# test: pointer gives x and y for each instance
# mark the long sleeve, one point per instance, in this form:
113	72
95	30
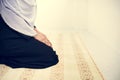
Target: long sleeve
19	16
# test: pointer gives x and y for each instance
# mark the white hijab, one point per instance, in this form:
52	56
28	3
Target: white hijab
19	15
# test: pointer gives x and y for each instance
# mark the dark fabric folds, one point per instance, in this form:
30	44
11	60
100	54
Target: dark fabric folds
21	51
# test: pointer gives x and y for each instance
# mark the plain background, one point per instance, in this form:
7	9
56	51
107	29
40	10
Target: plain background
98	21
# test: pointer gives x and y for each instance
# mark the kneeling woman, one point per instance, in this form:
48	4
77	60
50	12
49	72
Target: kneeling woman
21	44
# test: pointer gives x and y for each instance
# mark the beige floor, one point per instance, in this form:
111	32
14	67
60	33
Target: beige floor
75	62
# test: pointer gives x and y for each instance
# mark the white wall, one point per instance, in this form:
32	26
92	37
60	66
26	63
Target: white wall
104	21
103	36
98	22
61	15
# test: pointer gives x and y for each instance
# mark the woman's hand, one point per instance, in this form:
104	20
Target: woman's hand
41	37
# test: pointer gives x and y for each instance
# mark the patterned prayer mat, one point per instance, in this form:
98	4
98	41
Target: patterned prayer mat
75	63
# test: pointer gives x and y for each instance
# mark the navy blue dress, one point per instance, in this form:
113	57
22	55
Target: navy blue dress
21	51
